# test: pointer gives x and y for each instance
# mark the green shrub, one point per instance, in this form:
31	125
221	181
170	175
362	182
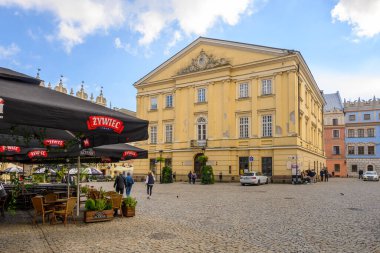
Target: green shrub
167	175
90	205
207	175
100	204
129	202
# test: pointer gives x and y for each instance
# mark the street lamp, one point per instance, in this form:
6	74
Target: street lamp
160	165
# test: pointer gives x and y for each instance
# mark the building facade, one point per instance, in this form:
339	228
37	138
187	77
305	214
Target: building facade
334	135
362	135
246	107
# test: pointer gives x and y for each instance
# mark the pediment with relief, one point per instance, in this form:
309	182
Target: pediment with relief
202	62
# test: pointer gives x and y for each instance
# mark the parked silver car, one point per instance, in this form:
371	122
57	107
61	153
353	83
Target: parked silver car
370	176
253	177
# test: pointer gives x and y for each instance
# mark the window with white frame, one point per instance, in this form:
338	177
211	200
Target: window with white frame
153	134
367	116
351	150
153	103
361	133
336	150
351	118
201	95
371	132
371	150
169	133
360	150
243	127
336	133
243	90
351	133
267	125
201	128
266	87
169	101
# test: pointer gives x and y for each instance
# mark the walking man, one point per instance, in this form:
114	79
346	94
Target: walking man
128	184
360	174
190	175
321	173
119	183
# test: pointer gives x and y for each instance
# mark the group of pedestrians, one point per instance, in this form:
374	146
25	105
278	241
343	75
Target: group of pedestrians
121	182
324	174
127	182
192	176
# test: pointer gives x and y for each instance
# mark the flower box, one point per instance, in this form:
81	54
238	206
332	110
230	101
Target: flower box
128	211
95	216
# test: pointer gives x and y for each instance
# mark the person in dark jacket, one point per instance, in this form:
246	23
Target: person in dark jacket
119	183
321	174
149	181
190	175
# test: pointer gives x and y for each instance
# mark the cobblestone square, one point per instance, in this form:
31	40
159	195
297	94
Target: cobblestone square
342	215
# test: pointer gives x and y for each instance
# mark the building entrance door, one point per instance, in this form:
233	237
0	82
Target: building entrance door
197	165
266	165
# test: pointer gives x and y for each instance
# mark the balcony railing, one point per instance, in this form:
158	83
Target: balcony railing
198	143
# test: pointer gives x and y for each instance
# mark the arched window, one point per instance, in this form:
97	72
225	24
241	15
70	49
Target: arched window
370	168
201	128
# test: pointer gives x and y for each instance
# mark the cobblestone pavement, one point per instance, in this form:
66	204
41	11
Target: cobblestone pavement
342	215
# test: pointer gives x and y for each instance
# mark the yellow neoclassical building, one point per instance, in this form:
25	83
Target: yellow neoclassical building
247	107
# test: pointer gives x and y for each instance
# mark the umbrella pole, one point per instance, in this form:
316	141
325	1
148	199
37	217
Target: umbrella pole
68	182
78	188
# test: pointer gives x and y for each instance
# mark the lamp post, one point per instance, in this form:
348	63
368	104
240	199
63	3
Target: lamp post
160	165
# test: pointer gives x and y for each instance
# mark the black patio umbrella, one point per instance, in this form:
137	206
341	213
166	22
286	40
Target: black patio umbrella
24	102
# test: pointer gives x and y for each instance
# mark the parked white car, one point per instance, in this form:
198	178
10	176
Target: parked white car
253	177
370	176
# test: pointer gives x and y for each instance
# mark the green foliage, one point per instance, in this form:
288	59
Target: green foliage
202	159
90	205
160	159
84	189
167	175
15	192
207	175
129	202
100	204
38	178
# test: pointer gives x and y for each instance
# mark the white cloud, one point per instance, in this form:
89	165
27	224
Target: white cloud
350	85
7	52
363	16
177	36
125	46
76	19
192	17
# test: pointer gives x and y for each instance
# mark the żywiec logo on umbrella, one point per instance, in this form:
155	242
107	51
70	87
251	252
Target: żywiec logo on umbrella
105	122
37	153
54	143
1	107
87	152
129	154
15	149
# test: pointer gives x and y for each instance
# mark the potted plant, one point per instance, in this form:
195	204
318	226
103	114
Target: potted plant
98	210
128	206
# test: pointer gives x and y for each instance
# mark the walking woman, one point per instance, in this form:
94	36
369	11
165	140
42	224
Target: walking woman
149	181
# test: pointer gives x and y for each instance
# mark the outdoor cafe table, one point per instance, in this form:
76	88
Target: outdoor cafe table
61	194
56	205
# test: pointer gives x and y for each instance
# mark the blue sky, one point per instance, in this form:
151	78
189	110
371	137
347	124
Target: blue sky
114	43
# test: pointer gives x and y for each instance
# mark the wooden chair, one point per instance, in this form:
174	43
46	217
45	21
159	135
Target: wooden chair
39	209
68	211
117	200
110	193
50	197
